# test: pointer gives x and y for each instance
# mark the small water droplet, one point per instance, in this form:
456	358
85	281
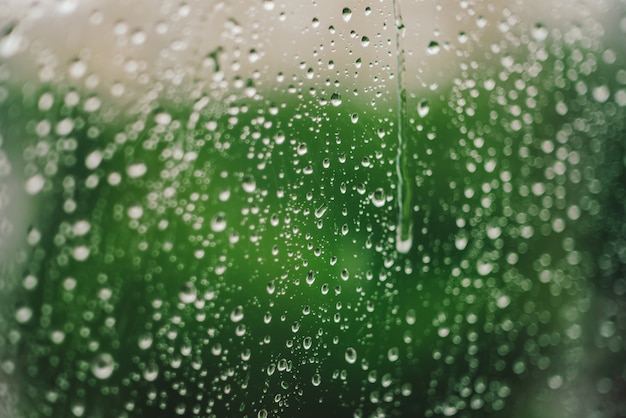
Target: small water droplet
335	99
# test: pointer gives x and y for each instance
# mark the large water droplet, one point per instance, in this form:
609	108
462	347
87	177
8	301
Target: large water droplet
102	366
346	14
351	355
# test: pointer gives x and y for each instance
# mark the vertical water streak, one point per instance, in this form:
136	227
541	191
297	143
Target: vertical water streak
404	229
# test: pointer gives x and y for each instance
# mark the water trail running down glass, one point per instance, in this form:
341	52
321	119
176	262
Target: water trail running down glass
404	229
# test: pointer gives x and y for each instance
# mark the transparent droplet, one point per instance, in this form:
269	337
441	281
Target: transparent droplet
236	314
365	41
218	223
423	108
378	197
188	293
249	184
151	372
351	355
335	99
136	170
601	93
23	314
539	32
321	210
393	354
34	184
433	48
102	366
80	253
307	343
145	341
316	379
346	14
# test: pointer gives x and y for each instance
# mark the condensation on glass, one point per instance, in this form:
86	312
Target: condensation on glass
301	208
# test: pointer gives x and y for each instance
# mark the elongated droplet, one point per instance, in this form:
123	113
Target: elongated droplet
404	229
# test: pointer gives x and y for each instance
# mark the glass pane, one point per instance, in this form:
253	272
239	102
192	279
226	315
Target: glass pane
294	208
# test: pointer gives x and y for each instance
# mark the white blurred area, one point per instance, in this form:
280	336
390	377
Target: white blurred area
101	44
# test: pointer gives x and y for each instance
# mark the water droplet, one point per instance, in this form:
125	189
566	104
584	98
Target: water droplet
378	197
423	108
163	118
80	253
307	343
188	293
539	32
335	99
346	14
393	354
601	93
365	41
102	366
268	5
484	267
310	277
34	184
433	48
351	355
136	170
249	184
321	210
316	379
237	314
23	314
151	372
218	223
